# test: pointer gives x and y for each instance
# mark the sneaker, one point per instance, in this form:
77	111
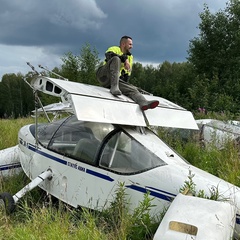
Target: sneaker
150	105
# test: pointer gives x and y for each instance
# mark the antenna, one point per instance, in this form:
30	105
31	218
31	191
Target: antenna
33	68
45	68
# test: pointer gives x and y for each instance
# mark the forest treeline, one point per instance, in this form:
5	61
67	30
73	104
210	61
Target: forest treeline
210	77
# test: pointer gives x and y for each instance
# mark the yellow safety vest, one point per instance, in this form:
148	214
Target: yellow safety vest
117	50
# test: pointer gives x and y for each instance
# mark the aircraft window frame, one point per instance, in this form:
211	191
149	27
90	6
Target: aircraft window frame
46	131
174	153
50	87
68	135
79	140
129	156
123	159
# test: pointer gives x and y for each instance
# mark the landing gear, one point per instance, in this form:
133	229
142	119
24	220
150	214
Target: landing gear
7	202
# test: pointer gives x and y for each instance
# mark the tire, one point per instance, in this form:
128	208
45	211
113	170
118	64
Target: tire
8	201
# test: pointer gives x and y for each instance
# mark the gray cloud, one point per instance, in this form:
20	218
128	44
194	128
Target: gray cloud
47	22
161	30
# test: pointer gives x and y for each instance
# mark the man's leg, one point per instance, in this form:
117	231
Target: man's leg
133	93
143	103
114	68
102	76
108	75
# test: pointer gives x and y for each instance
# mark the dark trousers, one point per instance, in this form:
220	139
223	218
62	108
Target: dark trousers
110	72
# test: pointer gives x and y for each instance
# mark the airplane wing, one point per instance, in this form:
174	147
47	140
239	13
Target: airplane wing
56	107
97	104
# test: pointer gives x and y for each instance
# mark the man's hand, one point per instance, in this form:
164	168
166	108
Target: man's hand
127	65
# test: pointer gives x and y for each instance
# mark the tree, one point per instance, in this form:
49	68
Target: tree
215	52
14	96
206	51
143	77
81	68
70	67
88	63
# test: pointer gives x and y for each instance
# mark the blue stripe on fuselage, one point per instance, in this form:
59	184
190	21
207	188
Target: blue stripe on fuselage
100	175
9	166
47	155
88	171
159	190
152	193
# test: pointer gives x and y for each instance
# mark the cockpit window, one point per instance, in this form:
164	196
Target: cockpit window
74	138
46	131
111	147
124	154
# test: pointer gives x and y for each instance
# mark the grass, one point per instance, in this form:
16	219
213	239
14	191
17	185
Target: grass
48	223
9	131
39	218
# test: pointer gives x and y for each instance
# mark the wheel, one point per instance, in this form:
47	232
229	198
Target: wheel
7	202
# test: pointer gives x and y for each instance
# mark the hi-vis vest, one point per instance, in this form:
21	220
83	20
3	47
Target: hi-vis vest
117	50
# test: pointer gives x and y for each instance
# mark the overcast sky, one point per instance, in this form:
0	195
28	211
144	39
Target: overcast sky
42	31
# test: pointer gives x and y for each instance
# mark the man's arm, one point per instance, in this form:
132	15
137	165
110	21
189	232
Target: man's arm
109	55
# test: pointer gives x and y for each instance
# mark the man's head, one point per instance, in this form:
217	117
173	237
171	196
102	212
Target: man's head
126	44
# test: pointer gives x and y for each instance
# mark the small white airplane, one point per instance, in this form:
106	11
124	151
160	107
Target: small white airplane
211	133
81	159
216	133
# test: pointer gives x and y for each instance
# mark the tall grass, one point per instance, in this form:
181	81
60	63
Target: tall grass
9	130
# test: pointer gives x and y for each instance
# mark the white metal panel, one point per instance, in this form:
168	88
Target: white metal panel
56	107
40	83
103	110
166	117
168	114
10	161
213	220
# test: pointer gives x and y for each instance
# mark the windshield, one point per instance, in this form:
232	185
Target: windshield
124	154
46	131
101	144
76	139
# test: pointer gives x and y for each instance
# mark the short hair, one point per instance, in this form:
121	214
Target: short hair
123	38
